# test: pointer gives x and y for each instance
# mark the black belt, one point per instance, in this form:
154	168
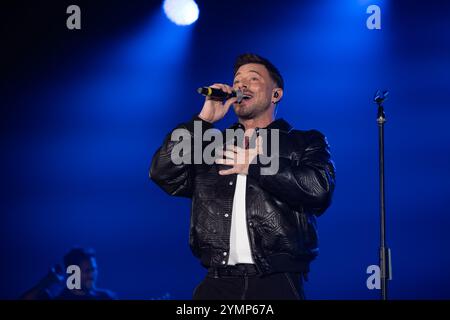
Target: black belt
237	270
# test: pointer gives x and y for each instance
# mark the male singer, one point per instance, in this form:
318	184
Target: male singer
254	231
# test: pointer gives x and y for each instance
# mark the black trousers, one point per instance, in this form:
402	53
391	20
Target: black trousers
276	286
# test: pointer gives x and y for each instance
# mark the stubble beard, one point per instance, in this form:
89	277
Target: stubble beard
249	112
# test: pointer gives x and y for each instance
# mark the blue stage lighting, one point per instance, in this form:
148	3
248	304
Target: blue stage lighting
181	12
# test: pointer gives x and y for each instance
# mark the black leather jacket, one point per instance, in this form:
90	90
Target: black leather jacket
281	209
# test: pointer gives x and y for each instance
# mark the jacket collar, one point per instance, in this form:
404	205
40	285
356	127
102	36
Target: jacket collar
279	124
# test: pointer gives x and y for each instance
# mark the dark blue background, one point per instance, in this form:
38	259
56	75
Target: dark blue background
82	113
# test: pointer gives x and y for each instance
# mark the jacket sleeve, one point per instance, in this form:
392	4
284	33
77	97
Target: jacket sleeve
305	180
176	179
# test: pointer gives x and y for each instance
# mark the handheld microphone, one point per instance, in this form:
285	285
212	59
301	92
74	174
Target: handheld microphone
219	94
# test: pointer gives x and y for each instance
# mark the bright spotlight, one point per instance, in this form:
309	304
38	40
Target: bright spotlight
181	12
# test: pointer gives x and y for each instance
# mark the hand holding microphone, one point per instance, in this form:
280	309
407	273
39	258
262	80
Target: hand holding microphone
219	94
214	107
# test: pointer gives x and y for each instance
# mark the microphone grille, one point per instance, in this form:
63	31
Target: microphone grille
239	95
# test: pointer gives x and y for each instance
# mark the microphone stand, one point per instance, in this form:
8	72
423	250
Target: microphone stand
385	253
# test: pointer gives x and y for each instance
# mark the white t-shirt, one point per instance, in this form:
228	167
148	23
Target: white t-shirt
240	251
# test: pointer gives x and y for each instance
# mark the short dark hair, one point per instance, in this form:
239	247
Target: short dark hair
77	255
247	58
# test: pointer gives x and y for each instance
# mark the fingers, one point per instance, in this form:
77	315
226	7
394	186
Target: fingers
230	147
230	157
227	162
235	149
227	89
227	172
233	158
229	102
223	87
227	154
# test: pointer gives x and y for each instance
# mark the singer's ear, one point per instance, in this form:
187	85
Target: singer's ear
277	95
